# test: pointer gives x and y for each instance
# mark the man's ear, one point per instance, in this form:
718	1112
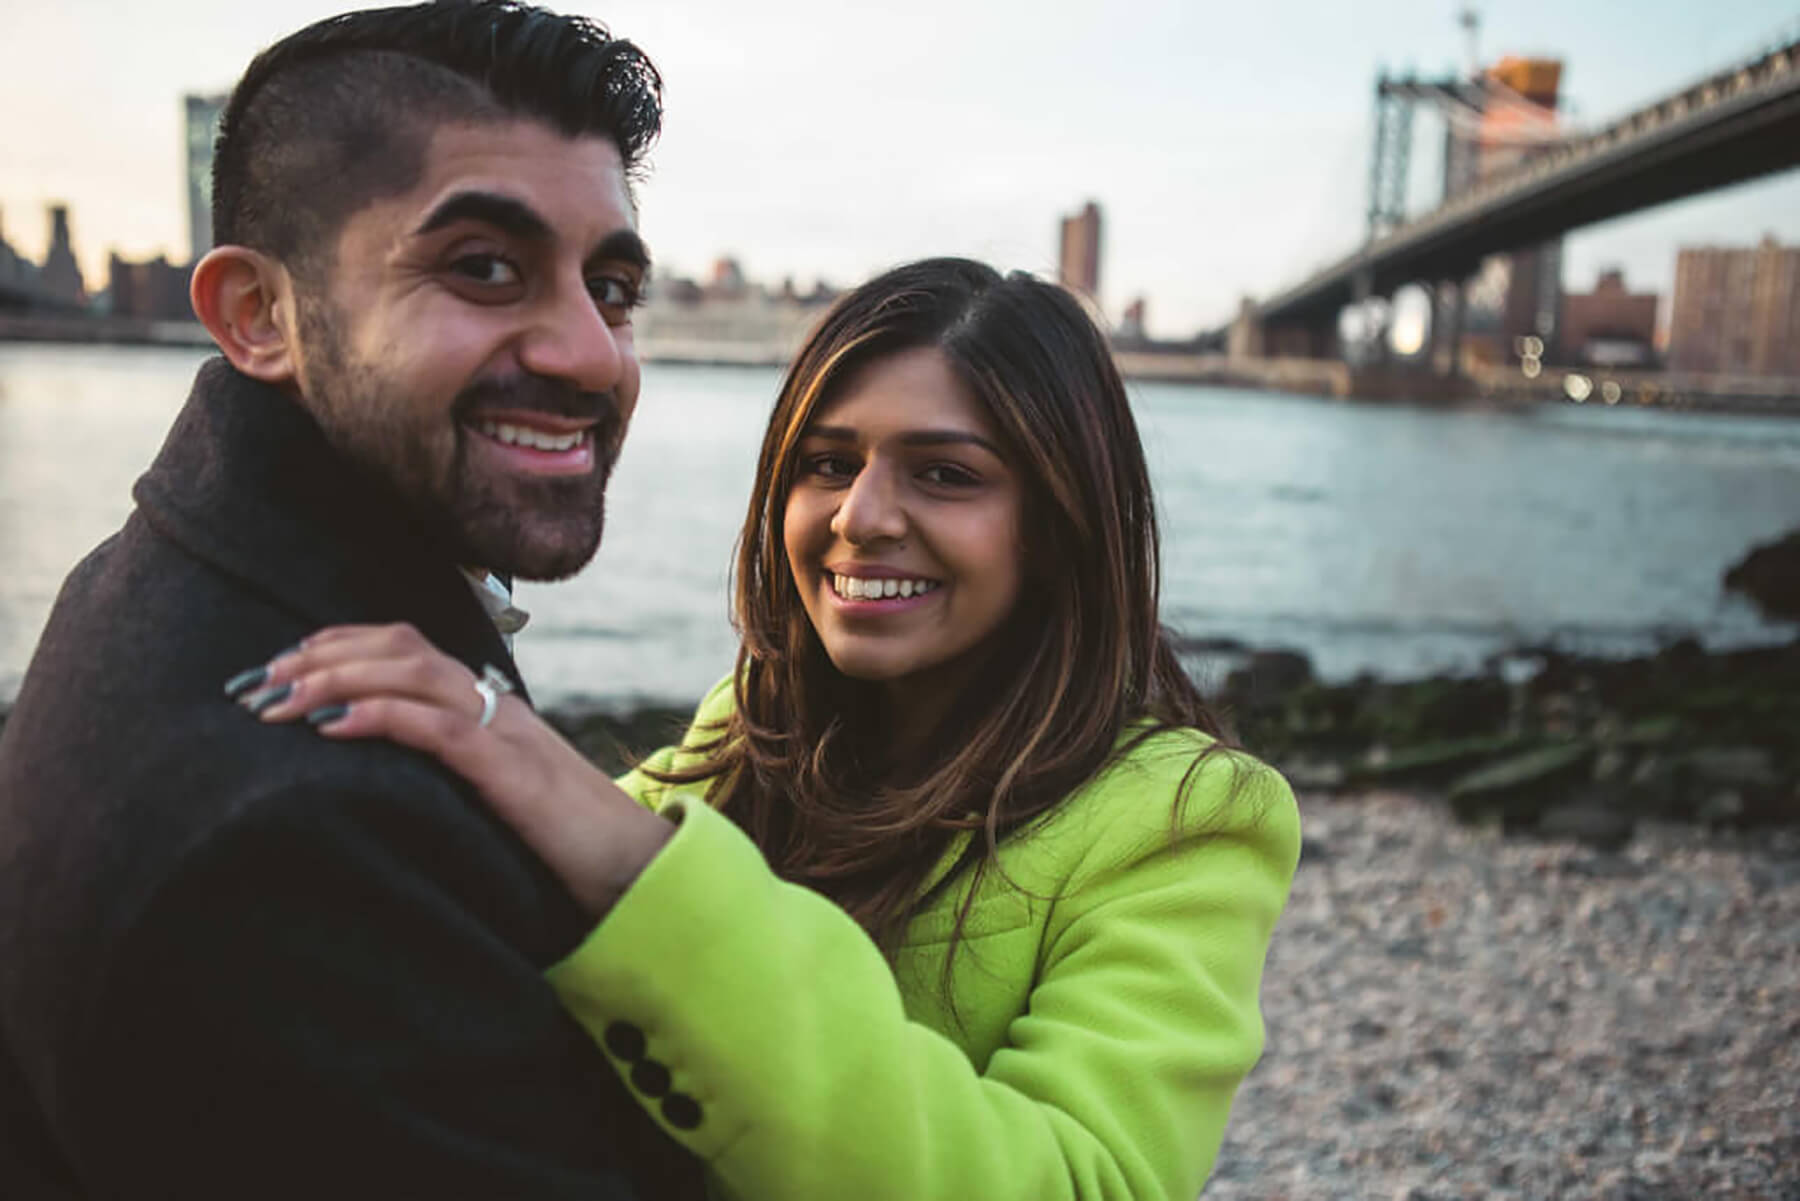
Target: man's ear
246	302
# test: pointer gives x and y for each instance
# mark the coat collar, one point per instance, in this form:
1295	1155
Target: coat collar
247	483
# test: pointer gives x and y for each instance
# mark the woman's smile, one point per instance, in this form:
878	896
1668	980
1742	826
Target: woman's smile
878	589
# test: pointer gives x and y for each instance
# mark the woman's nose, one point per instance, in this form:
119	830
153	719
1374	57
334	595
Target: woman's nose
871	508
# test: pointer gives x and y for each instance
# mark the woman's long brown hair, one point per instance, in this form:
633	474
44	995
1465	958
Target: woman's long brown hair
800	764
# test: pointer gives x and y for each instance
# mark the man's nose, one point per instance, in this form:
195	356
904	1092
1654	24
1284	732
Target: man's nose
872	508
569	339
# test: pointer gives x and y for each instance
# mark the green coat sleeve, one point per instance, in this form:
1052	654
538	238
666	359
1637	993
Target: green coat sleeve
762	1027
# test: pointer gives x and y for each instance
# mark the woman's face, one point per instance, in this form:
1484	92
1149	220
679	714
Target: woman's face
902	526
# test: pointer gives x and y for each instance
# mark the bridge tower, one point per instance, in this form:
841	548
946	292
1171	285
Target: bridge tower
1517	295
1493	119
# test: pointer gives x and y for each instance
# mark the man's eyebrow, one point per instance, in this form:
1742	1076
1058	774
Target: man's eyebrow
622	246
843	433
509	216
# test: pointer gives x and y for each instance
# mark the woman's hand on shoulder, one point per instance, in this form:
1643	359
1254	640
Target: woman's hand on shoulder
390	682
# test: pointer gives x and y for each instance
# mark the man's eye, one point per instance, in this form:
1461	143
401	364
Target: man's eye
615	292
488	269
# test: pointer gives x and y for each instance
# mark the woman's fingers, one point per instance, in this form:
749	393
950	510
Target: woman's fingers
297	689
347	644
340	664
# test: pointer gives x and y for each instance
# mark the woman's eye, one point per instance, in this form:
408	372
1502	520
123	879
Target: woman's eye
489	270
830	467
949	475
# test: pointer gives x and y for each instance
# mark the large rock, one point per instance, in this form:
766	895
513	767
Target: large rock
1518	789
1770	576
1268	677
1735	785
1433	764
1599	826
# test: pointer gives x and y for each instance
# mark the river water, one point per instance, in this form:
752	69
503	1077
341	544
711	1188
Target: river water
1391	540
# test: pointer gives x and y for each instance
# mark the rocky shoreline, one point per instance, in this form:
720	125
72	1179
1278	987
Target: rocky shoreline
1543	743
1548	743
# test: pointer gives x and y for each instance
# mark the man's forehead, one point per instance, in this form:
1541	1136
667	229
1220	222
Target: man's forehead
576	185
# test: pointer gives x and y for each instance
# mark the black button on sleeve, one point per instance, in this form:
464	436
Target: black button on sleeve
681	1111
650	1078
625	1040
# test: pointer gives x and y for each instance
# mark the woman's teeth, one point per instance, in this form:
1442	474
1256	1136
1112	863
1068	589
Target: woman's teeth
857	588
521	435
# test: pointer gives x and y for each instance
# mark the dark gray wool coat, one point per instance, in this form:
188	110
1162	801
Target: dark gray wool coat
242	961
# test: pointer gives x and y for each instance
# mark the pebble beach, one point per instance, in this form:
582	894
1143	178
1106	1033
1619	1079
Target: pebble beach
1456	1014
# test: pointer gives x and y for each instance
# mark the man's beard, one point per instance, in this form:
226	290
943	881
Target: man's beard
532	527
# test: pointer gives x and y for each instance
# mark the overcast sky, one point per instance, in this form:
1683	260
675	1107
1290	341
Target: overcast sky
1228	145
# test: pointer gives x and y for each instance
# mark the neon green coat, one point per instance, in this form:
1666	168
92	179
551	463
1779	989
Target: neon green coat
1107	998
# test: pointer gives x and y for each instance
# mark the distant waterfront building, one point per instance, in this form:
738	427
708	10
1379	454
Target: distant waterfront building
1078	261
154	290
202	127
1736	311
59	279
1131	326
18	276
727	282
728	319
1610	326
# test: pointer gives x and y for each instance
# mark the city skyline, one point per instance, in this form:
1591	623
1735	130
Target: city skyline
1228	150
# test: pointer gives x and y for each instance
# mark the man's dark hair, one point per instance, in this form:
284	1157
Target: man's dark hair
339	114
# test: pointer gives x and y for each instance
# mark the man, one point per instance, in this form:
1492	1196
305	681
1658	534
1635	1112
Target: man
242	961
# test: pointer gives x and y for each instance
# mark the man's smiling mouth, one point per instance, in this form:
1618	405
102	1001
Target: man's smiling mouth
537	439
531	446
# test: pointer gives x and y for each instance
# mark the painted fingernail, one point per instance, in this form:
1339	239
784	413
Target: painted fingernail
256	702
244	681
327	714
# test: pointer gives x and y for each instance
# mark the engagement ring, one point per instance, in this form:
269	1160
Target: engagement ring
490	685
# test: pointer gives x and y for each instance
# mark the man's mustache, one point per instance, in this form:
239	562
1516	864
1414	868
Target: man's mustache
529	393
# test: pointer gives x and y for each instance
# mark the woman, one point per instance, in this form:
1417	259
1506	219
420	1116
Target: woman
951	889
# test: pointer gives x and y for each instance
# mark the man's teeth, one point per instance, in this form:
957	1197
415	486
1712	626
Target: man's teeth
857	588
521	435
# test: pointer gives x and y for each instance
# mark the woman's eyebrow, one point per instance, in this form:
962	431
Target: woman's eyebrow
843	433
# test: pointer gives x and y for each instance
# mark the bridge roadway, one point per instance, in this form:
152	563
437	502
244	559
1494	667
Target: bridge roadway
1737	124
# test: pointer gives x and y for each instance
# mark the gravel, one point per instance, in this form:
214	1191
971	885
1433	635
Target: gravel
1452	1014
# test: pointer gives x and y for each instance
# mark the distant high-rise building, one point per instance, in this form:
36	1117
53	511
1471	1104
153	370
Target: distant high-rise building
1078	264
202	127
1736	311
60	277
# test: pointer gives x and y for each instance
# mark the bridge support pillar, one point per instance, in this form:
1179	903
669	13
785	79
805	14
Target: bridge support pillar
1244	339
1374	318
1448	309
